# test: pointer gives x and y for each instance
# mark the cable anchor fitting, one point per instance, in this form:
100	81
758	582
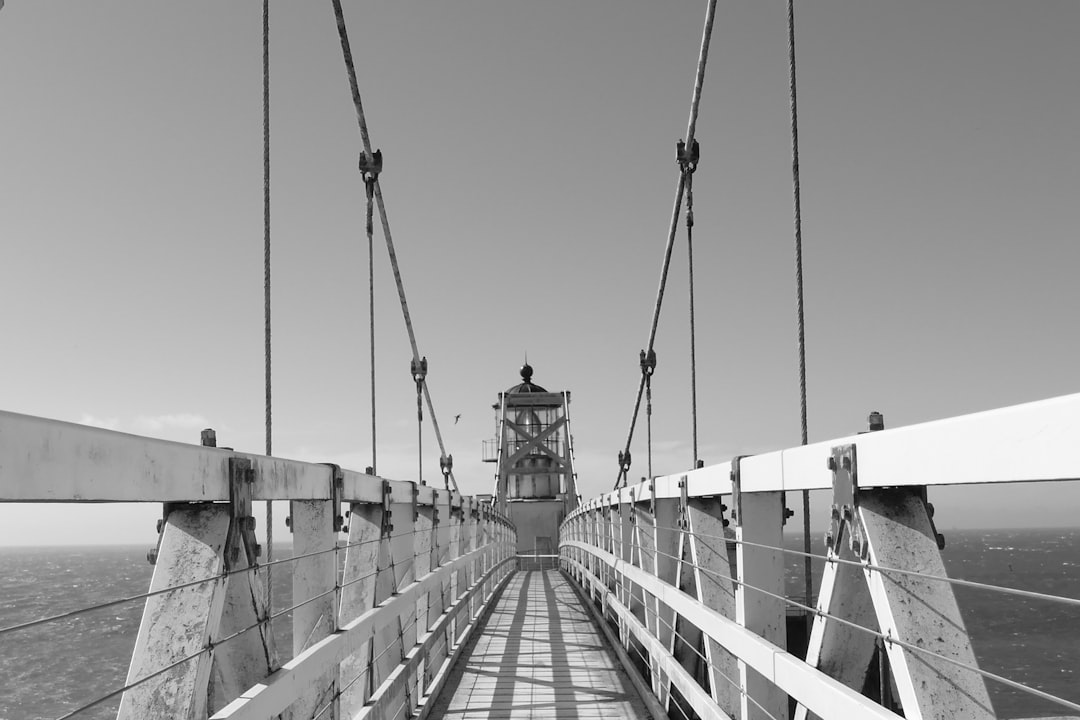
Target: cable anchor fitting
370	169
648	362
688	157
446	464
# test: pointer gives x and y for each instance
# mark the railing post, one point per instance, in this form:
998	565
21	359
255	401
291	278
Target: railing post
899	534
705	574
423	543
359	594
665	567
760	520
178	624
315	525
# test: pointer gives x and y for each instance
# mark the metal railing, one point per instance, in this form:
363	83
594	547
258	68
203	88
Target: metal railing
702	606
376	620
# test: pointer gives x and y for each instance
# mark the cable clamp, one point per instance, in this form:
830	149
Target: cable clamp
337	494
688	157
371	168
843	463
648	362
242	526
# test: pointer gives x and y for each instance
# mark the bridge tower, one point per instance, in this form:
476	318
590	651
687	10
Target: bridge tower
535	483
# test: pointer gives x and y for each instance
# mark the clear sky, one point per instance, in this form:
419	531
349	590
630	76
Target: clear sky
529	180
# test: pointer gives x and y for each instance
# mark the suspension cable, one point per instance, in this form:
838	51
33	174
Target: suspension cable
369	188
797	194
695	103
266	280
365	138
693	332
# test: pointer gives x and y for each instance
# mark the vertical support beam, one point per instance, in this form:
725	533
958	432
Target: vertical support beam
248	658
918	611
438	599
358	595
711	571
839	650
313	590
397	637
626	554
179	624
666	568
422	543
760	520
468	543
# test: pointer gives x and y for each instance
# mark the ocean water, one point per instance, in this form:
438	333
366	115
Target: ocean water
50	670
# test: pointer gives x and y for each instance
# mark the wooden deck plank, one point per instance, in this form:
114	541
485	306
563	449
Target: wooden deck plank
538	655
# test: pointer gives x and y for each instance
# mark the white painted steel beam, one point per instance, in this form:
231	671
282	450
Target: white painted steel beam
44	460
1023	443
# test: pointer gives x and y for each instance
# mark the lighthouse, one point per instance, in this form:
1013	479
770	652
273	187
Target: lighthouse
535	483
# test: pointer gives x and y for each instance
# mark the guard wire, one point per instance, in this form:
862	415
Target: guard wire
1030	594
181	586
708	664
888	638
131	685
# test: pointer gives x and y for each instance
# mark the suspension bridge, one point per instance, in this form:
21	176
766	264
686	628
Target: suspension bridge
667	597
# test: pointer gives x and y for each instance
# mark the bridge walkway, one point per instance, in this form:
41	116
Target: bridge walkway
538	655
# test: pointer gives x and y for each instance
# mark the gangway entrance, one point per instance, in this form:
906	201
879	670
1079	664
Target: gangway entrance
539	655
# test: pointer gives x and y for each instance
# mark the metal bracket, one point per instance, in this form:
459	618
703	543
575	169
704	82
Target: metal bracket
337	495
374	167
688	158
242	526
845	469
416	502
684	505
387	518
434	506
736	488
652	497
938	537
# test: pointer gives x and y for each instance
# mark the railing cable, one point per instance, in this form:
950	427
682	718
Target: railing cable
1029	594
369	158
886	637
695	103
181	586
131	685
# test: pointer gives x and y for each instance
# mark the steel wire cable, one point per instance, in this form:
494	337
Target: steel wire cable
695	103
131	685
889	639
266	279
181	586
221	641
1030	594
708	664
634	646
365	137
